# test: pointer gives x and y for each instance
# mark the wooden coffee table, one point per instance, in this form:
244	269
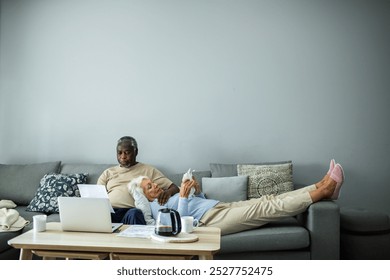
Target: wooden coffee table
55	243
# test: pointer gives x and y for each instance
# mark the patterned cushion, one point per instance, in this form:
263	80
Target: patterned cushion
267	179
53	186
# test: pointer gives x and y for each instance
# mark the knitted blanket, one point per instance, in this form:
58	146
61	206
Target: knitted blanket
10	220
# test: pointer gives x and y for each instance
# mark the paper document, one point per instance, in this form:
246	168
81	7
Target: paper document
94	191
140	231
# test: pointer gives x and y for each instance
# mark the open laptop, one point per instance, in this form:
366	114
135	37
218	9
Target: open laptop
86	214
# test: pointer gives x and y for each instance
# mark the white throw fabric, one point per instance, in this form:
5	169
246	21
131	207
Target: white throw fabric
10	220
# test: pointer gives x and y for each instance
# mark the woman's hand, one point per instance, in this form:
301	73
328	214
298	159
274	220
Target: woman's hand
186	186
196	185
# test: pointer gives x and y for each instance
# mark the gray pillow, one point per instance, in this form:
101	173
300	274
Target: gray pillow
20	182
267	179
226	189
230	169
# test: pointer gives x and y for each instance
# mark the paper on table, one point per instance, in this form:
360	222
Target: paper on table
140	231
95	191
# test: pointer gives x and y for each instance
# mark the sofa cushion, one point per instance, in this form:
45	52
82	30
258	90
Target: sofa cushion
267	179
20	182
283	235
226	189
364	221
230	169
4	237
51	187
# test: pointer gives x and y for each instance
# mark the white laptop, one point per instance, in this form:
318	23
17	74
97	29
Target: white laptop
86	214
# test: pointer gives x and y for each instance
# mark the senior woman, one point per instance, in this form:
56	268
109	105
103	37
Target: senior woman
242	215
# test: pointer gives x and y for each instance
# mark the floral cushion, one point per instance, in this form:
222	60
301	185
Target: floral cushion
53	186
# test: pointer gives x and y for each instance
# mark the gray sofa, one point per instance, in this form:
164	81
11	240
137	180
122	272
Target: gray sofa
314	234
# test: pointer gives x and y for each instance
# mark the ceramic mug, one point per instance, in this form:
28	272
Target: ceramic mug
188	223
39	222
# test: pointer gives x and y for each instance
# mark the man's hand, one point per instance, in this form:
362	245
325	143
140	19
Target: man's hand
166	194
163	197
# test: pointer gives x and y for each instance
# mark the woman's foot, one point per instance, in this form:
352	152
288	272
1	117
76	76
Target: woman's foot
337	175
327	188
332	164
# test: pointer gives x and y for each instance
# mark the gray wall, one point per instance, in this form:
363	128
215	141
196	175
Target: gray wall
201	81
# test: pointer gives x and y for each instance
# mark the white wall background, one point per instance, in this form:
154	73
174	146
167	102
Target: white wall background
201	81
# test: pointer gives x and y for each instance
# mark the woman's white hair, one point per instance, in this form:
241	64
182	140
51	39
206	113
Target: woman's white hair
140	200
135	185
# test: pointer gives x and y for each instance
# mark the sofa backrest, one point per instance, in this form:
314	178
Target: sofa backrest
19	182
94	170
176	178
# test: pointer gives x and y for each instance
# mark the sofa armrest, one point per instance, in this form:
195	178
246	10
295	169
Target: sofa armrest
322	220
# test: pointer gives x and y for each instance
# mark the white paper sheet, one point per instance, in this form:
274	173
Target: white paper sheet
95	191
139	231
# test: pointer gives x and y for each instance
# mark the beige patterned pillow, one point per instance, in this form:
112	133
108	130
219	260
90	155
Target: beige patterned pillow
267	179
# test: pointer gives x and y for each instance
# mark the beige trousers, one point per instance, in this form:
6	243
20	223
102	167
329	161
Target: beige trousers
243	215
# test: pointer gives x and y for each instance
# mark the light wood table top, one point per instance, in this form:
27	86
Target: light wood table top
57	243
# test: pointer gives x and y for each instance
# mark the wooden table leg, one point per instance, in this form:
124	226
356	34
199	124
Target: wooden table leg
25	254
205	257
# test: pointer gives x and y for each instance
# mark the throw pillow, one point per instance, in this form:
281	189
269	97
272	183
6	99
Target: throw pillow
226	189
267	179
51	187
230	169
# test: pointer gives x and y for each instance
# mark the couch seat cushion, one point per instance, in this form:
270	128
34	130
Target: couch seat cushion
4	237
364	221
276	236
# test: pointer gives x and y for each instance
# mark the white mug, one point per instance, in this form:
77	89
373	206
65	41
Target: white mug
39	223
188	223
